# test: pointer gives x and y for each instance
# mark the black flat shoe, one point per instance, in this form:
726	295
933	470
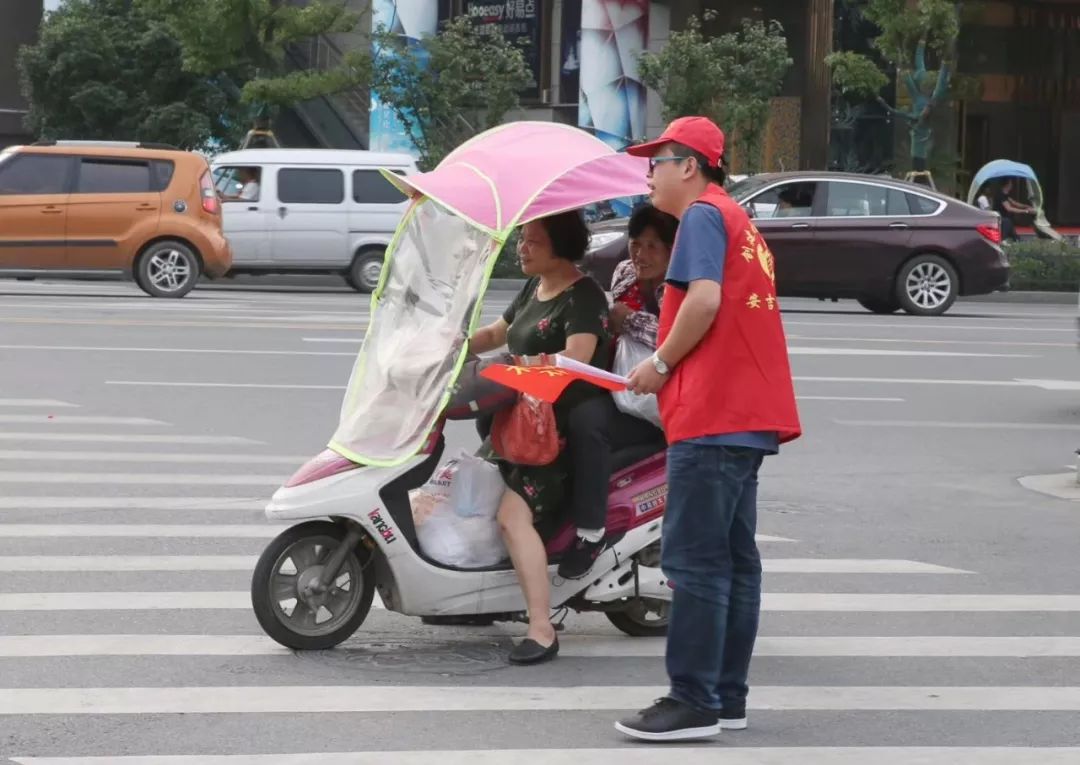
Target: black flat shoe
528	651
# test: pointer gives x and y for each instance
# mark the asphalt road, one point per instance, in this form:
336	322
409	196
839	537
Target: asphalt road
925	607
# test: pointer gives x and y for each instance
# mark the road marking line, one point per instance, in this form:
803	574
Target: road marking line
1070	385
177	531
146	479
874	399
959	425
137	438
936	326
98	322
853	566
353	340
119	563
923	341
124	601
119	349
571	646
36	402
99	456
793	602
811	351
75	419
107	563
880	755
272	386
389	698
223	600
830	646
916	602
15	646
229	504
913	381
142	531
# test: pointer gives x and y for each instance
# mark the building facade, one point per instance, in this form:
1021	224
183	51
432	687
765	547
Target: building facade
1016	93
20	22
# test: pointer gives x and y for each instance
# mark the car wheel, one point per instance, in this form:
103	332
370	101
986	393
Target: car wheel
877	305
168	269
927	285
366	270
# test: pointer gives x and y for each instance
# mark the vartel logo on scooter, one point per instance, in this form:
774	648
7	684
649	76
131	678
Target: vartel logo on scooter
315	583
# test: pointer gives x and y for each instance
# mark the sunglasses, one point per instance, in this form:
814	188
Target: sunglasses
654	161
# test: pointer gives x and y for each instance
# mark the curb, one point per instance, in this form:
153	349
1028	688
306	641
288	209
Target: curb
1025	296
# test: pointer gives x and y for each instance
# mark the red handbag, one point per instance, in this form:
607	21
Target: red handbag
526	433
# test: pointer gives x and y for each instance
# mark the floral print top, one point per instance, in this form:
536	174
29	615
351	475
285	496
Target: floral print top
542	326
643	324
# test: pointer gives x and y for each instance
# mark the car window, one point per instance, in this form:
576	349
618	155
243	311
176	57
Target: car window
163	170
846	199
370	187
111	176
34	174
317	187
922	205
238	183
788	200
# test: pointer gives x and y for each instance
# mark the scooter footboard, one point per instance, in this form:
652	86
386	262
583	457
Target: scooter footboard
622	583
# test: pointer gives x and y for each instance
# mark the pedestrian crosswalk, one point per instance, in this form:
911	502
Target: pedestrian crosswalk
127	637
627	756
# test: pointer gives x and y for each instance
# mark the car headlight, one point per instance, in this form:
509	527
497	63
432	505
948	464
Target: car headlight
603	239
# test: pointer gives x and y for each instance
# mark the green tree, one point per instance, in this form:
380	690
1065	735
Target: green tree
731	78
246	41
909	29
463	81
102	70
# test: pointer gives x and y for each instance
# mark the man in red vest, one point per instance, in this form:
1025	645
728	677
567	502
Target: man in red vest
722	377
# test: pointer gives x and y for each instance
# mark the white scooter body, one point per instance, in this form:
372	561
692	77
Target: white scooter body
411	585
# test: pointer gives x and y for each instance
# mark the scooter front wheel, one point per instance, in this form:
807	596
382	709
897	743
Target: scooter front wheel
291	604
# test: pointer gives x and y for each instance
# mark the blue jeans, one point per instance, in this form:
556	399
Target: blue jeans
711	558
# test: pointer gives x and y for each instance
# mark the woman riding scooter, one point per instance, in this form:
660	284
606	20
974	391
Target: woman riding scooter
560	310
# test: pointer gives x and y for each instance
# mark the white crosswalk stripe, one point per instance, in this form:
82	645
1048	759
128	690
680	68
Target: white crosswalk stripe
126	605
247	563
684	755
581	646
420	698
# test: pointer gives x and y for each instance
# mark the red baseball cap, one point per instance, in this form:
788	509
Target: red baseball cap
698	133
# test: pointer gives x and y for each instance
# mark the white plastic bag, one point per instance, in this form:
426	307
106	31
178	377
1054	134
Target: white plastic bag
454	514
477	487
628	354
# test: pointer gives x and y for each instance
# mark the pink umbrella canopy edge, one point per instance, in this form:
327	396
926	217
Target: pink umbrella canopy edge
521	171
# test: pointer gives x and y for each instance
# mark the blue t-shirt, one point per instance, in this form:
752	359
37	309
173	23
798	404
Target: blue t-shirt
699	252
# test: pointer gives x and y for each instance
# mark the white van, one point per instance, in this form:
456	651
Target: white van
310	210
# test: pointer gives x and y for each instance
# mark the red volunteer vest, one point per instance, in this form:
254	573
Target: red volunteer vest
738	377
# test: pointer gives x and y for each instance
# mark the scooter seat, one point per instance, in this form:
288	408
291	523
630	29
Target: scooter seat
629	455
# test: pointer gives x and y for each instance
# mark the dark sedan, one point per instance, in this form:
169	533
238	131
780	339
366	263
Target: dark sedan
888	244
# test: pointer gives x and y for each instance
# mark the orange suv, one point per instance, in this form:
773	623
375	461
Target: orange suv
145	210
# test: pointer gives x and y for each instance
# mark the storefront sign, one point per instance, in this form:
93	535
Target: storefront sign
519	22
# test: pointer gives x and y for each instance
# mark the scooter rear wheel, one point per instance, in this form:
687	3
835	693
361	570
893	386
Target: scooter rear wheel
286	596
642	617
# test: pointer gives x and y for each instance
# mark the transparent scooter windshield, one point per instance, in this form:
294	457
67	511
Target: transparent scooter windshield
414	347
